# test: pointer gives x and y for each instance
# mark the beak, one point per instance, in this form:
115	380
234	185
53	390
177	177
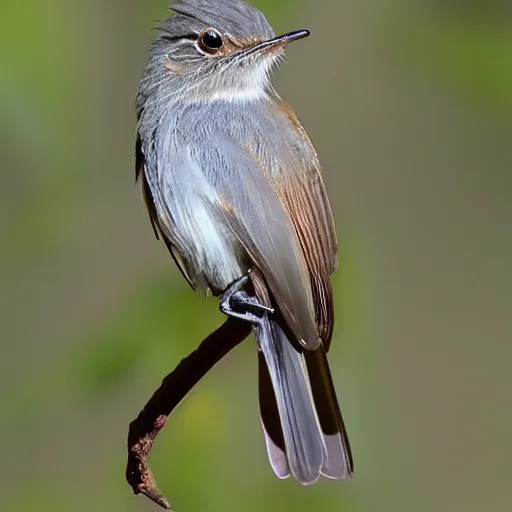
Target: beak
277	42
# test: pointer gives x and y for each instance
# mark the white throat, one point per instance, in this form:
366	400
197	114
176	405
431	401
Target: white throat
239	94
254	84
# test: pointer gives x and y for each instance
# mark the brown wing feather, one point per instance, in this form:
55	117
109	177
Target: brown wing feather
303	194
312	227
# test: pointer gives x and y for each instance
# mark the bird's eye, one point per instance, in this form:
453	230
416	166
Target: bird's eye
210	41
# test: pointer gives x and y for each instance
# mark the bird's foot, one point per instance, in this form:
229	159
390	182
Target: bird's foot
238	303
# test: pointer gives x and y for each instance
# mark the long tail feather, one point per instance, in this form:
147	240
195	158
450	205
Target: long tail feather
270	421
338	463
303	427
303	440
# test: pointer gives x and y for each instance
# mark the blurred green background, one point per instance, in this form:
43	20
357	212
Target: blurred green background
410	106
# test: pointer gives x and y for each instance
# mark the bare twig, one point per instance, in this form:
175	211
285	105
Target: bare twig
144	429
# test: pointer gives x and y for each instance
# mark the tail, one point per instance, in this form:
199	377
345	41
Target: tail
304	430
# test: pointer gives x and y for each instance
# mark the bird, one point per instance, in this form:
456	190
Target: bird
233	186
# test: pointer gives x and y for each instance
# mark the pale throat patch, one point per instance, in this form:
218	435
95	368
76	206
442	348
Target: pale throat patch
254	84
240	94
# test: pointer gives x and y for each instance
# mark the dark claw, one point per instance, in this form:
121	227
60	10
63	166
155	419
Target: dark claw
244	299
249	308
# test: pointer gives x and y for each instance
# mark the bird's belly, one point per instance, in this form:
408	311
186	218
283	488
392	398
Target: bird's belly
211	256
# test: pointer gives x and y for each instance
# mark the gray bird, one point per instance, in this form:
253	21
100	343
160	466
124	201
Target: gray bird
233	187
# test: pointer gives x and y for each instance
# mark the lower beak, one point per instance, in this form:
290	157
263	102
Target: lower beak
278	42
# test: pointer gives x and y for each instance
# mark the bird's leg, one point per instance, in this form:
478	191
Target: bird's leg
237	303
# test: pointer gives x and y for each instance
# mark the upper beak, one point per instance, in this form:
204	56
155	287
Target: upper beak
278	42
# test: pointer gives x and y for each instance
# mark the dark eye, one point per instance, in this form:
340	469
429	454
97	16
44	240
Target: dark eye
210	41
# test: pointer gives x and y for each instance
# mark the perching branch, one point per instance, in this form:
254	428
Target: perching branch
144	429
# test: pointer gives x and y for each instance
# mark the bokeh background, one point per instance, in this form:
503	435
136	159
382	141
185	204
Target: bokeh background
410	106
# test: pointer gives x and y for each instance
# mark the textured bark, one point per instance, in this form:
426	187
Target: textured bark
144	429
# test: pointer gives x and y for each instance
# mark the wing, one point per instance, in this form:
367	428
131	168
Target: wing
298	183
258	219
305	204
238	194
140	173
139	168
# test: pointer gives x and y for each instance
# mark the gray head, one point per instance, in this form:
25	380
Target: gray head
214	49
